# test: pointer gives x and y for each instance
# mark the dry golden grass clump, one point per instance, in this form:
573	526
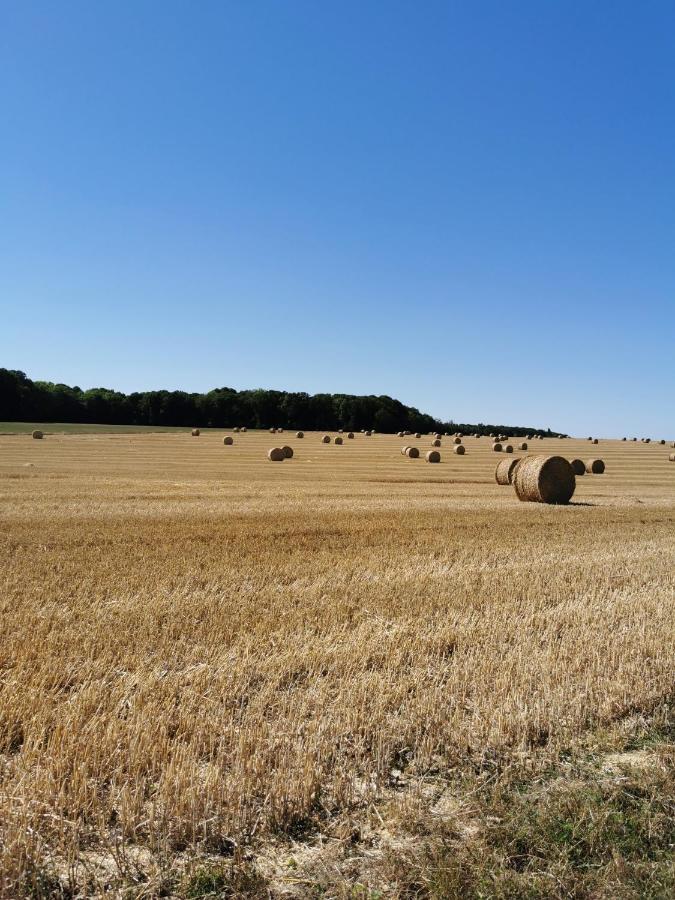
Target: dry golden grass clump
299	434
412	452
228	441
287	451
595	466
325	439
436	442
37	435
276	454
338	440
433	456
497	447
460	449
522	446
505	469
579	466
544	479
195	432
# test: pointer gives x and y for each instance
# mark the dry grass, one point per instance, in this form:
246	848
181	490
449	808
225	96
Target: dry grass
199	649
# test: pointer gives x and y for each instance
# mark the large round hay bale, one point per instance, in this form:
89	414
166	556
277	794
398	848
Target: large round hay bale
436	442
544	479
228	441
460	449
338	440
508	448
595	466
457	440
299	434
433	456
579	466
350	436
287	451
504	470
412	453
497	447
276	454
37	435
325	439
195	432
522	446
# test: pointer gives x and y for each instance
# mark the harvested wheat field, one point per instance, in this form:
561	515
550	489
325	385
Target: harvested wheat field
350	674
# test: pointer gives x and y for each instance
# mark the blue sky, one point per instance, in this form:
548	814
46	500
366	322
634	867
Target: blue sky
469	206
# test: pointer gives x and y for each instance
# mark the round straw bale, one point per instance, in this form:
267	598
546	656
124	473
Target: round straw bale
457	440
437	436
648	440
504	470
195	432
579	466
671	457
412	452
287	451
633	439
299	434
460	449
436	442
325	439
404	451
338	440
243	428
228	441
235	430
433	456
595	466
662	442
544	479
369	433
508	448
497	447
351	435
37	435
341	431
417	435
276	454
595	440
273	431
522	446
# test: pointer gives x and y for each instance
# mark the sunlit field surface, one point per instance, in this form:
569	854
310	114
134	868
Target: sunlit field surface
289	677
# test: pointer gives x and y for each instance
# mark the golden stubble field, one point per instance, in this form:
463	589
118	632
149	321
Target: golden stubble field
204	653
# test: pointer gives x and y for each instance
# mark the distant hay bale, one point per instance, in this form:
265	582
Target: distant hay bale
437	436
243	428
433	456
460	449
595	466
508	448
228	441
662	442
341	430
37	435
350	436
369	433
404	451
671	457
457	440
623	439
589	438
633	439
273	431
579	466
287	451
412	452
436	442
299	434
504	470
544	479
338	440
648	440
236	430
195	432
595	440
522	446
417	435
325	439
497	447
276	454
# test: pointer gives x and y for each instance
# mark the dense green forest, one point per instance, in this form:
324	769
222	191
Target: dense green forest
23	400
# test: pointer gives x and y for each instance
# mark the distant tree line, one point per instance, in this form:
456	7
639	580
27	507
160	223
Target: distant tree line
23	400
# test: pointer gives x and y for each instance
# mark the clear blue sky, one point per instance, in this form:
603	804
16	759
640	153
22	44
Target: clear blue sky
469	206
